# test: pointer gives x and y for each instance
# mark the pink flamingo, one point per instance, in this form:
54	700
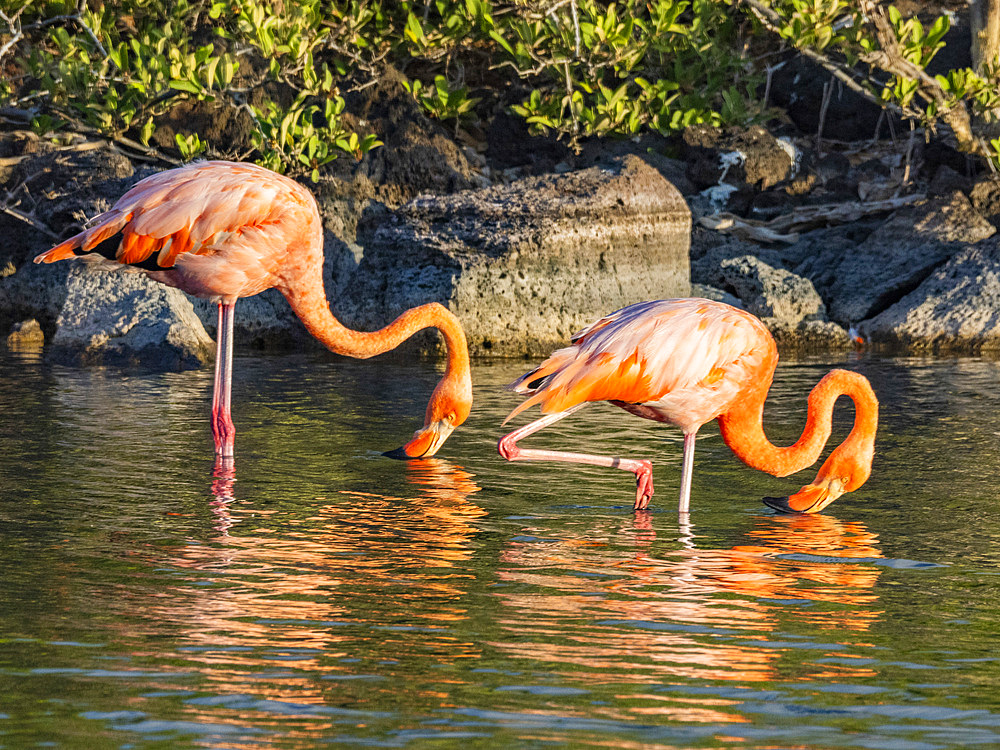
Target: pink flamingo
223	230
686	362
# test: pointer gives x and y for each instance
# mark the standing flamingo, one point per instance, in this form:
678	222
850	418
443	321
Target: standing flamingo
223	230
686	362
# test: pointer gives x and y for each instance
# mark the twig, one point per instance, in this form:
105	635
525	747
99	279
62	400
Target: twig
29	220
767	86
569	99
576	28
771	20
80	8
75	17
785	228
827	94
145	153
989	162
909	155
15	28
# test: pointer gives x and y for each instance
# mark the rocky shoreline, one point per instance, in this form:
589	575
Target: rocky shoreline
527	242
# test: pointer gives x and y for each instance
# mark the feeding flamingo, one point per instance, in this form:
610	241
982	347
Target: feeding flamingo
223	230
686	362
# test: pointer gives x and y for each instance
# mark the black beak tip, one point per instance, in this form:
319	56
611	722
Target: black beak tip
399	454
780	504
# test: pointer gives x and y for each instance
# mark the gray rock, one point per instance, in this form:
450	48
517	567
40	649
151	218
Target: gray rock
524	266
770	292
65	189
26	335
34	292
709	250
897	257
985	197
787	304
718	295
125	319
956	309
947	180
808	335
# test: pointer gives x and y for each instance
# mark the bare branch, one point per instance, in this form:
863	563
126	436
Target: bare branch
15	30
890	59
80	8
841	72
28	219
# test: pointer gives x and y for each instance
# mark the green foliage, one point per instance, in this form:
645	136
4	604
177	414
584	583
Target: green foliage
442	101
189	146
109	82
615	69
581	67
291	140
818	24
118	68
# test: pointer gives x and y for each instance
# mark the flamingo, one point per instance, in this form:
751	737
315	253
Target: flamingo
224	230
686	362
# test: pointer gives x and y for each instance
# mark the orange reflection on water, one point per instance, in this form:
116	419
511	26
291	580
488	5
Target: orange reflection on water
815	535
688	612
310	582
682	713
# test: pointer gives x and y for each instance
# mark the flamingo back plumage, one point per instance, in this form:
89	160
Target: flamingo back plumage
683	360
223	226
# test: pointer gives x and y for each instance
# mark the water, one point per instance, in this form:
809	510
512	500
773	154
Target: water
327	596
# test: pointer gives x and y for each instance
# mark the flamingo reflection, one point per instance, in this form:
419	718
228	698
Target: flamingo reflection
223	478
638	614
317	581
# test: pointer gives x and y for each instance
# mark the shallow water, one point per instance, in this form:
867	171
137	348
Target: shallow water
325	595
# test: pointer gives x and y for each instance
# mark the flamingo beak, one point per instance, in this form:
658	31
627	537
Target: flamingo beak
810	499
425	442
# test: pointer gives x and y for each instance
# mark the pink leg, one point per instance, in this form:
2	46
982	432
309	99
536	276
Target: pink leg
687	469
222	421
642	469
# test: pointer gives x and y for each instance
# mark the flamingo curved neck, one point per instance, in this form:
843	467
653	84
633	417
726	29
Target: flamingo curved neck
743	431
312	308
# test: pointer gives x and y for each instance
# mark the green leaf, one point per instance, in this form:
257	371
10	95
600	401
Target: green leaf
181	85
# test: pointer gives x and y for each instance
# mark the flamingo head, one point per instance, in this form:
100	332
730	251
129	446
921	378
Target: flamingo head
847	468
449	407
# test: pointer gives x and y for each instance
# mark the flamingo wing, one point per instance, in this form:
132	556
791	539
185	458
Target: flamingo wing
686	357
194	209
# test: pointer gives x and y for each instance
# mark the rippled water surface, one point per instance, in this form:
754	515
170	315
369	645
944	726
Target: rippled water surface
323	595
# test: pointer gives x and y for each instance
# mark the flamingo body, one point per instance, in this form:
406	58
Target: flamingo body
224	230
686	362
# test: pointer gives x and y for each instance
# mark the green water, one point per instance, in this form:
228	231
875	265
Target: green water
323	595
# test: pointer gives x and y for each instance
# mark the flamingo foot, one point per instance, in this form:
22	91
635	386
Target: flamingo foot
643	484
224	433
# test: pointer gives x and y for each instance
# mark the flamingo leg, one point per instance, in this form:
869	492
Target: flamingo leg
687	469
223	429
511	451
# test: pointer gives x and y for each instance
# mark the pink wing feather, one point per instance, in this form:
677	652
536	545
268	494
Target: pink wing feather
685	357
183	210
